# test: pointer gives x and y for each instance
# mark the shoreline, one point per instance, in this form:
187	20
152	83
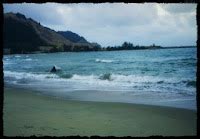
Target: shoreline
165	47
50	96
172	104
26	114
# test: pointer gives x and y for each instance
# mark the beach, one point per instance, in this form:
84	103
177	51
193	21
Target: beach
27	113
119	74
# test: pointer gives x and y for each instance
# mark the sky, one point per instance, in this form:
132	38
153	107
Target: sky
111	24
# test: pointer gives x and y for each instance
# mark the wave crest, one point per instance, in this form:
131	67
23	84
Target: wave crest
104	60
189	83
106	81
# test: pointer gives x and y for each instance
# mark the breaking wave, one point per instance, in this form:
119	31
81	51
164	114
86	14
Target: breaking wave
103	81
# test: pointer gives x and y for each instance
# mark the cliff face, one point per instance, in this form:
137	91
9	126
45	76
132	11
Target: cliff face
23	34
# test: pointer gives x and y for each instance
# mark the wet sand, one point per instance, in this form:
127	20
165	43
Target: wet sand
26	113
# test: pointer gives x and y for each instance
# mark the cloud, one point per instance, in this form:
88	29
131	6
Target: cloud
113	23
43	13
179	8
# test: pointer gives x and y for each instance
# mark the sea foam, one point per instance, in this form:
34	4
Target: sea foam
105	81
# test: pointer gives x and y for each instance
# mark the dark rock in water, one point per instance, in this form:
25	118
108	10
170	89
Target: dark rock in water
106	76
160	82
55	69
191	83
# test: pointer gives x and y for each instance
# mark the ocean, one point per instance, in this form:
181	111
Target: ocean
164	77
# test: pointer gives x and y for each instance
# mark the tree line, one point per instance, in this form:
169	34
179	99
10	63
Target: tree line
130	46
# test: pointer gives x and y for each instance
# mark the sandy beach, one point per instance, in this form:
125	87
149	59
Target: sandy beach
26	113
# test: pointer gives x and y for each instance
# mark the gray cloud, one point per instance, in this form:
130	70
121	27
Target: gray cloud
179	8
111	24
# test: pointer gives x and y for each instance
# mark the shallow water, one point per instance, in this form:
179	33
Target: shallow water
160	77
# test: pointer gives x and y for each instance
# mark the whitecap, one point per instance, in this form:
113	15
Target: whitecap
32	76
17	56
104	60
28	59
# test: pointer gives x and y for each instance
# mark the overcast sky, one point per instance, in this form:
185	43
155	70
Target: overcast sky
114	23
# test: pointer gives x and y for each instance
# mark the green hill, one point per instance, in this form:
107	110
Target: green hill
24	35
73	37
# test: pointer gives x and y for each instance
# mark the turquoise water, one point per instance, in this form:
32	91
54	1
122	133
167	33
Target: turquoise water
160	77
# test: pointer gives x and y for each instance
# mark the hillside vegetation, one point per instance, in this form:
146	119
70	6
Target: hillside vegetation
24	35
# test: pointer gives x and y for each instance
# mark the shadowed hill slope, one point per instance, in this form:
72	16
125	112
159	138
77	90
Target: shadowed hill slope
24	35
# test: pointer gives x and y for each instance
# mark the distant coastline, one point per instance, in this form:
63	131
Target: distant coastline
7	51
